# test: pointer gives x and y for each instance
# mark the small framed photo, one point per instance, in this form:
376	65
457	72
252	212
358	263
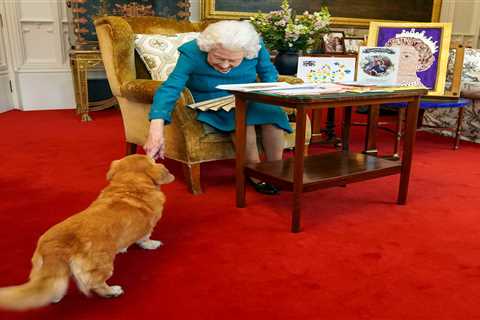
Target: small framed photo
333	42
353	44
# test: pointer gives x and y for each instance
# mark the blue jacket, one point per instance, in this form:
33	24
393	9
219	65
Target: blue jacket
193	71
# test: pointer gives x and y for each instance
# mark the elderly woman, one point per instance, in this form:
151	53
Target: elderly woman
226	52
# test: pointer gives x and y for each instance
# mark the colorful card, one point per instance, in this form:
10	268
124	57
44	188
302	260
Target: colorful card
326	69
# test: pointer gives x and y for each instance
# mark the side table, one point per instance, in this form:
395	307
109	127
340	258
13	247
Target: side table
81	62
308	173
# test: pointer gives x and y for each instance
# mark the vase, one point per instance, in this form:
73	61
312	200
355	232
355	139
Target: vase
286	62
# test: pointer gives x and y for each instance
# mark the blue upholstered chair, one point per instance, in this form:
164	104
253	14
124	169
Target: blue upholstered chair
431	103
451	99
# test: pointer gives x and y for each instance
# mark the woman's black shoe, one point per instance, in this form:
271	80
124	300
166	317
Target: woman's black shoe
263	187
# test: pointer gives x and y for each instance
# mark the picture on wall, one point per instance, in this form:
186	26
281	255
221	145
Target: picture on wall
333	42
83	12
344	12
353	44
326	69
431	41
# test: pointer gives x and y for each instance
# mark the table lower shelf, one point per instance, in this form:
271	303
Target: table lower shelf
324	170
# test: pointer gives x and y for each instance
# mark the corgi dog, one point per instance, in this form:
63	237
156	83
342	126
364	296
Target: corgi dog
84	245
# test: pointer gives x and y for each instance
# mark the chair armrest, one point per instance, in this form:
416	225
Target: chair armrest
140	90
143	91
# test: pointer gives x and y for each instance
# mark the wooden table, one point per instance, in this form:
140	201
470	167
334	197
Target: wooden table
307	173
81	62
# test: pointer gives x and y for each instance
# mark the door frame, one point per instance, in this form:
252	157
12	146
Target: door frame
5	30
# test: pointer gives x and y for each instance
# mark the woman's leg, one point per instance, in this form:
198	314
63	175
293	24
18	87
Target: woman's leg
251	155
273	141
251	149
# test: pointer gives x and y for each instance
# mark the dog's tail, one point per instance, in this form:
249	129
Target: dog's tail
48	283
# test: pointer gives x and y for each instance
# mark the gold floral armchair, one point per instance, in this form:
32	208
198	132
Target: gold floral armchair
186	139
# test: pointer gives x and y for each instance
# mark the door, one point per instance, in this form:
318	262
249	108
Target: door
6	96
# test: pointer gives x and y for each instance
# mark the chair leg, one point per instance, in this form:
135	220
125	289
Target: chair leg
191	173
131	148
456	144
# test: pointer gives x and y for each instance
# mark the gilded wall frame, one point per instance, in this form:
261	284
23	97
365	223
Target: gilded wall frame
432	42
210	11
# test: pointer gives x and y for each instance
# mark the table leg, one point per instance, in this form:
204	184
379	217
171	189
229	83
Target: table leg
371	137
240	137
347	124
82	85
408	143
298	169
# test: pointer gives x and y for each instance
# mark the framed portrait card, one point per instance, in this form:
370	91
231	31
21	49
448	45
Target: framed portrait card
431	41
326	69
378	65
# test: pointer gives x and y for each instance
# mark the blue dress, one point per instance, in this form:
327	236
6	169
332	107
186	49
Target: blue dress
193	71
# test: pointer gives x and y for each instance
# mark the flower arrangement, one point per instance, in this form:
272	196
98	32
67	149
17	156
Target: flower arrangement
284	31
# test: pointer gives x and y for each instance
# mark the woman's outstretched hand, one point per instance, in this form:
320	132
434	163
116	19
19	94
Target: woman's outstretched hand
155	145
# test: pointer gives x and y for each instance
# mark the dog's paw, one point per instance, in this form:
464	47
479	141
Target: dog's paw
115	291
57	299
150	244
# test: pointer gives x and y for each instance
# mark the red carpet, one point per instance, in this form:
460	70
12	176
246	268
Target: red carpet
360	255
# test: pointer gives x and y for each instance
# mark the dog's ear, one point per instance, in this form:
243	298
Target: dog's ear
113	169
159	174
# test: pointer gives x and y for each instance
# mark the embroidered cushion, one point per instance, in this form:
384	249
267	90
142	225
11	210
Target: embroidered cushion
159	52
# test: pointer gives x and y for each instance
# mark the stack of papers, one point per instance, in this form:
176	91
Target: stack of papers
226	103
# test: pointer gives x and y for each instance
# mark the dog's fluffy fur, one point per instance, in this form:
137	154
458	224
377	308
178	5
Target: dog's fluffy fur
85	244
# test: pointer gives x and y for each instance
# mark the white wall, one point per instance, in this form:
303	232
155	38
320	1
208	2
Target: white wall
465	16
38	31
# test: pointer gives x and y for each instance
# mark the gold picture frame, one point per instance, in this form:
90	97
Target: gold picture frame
209	12
432	68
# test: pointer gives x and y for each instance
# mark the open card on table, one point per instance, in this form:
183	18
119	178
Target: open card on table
284	88
307	89
378	65
254	86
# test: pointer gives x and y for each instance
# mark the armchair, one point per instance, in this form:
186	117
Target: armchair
185	137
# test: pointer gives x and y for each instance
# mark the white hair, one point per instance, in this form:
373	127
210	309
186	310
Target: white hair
232	35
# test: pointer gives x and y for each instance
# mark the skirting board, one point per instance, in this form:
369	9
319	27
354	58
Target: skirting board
46	91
